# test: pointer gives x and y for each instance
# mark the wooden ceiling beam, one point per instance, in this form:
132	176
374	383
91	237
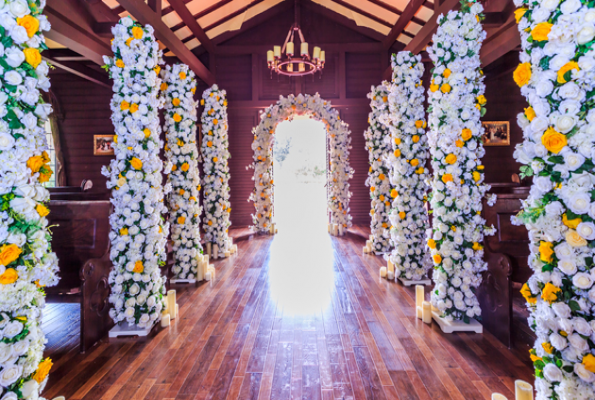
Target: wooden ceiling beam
68	33
143	13
424	36
192	24
80	70
404	20
504	40
395	10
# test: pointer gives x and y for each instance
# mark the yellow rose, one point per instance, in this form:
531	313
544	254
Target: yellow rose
415	138
419	124
381	177
518	14
133	108
42	210
157	70
175	102
177	117
138	267
32	56
434	88
30	23
541	31
482	99
466	134
476	176
147	133
589	362
445	88
446	73
9	276
437	258
137	32
397	141
35	163
185	167
530	113
571	223
534	358
136	163
450	159
43	369
182	75
553	140
414	162
394	193
402	214
431	243
215	159
550	293
9	253
459	143
163	86
446	178
574	239
397	153
120	63
548	348
215	121
546	250
569	66
522	74
123	231
124	105
181	220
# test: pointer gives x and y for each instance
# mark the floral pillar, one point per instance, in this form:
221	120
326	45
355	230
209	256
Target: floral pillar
557	76
178	87
26	261
456	105
216	170
138	233
378	145
407	159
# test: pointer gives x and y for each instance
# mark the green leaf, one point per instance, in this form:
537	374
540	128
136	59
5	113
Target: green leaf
574	306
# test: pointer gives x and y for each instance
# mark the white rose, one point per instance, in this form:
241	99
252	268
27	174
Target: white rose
14	56
573	160
567	266
570	6
586	230
19	348
584	373
544	87
580	203
12	329
558	341
586	34
5	352
13	78
134	289
10	396
6	141
582	280
129	313
552	373
19	35
19	8
550	5
565	123
29	388
10	375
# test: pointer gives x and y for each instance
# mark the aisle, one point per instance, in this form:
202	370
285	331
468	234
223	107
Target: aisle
314	323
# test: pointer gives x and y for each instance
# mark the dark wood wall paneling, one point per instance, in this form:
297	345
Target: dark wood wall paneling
353	65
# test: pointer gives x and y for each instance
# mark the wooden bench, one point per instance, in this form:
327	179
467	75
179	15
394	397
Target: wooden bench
507	255
81	242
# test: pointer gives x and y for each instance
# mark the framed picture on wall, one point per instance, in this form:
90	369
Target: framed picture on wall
102	145
497	133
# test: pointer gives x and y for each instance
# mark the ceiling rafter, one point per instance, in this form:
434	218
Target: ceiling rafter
412	8
424	36
395	10
80	70
143	13
193	25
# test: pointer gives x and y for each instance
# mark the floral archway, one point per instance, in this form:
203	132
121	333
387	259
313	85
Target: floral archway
339	144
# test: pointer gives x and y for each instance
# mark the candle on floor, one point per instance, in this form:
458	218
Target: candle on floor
215	252
335	229
206	258
498	396
212	271
419	299
390	266
383	272
340	229
208	276
209	248
523	390
227	254
199	271
371	238
365	249
427	312
165	320
59	398
171	303
235	248
390	275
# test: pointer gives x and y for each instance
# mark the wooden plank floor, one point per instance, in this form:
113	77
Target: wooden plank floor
243	336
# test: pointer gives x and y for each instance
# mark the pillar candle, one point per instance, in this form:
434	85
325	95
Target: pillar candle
289	49
365	249
371	238
419	299
390	266
390	275
208	276
270	56
227	254
277	51
335	229
498	396
215	252
383	272
212	271
316	53
206	260
235	248
523	390
209	249
427	312
165	320
171	303
199	273
340	229
322	56
304	49
59	398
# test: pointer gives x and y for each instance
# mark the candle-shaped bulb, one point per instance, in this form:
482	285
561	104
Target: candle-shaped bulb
302	67
290	67
277	51
304	49
316	53
289	49
322	56
270	56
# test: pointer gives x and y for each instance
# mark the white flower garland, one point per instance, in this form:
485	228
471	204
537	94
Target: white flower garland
339	144
138	233
378	145
408	158
456	104
215	154
557	76
178	88
26	260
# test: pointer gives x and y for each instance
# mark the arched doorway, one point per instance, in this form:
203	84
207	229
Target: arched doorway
338	144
